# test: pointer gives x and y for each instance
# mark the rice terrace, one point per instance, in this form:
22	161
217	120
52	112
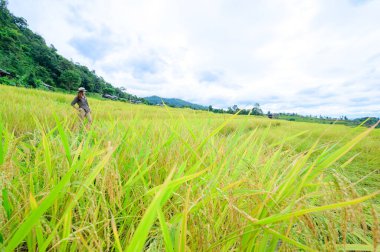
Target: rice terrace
155	178
271	142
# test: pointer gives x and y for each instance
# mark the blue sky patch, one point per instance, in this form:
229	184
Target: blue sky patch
91	47
209	76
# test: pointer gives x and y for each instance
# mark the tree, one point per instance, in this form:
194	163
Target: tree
31	80
99	85
70	79
256	110
3	5
109	91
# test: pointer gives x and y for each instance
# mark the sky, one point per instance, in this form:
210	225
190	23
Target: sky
317	57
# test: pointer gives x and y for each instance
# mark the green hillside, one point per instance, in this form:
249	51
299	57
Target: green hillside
174	102
31	63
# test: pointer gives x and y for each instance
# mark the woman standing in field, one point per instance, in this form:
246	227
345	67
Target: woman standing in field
84	109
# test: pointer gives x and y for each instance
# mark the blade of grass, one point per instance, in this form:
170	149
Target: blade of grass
356	247
281	217
138	240
183	232
165	231
215	131
116	234
3	143
6	203
346	148
78	194
64	139
288	240
36	214
38	228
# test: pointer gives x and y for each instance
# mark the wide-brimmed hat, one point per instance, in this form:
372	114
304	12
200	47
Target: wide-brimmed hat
81	89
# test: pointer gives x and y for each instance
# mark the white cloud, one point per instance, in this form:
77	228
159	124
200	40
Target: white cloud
311	57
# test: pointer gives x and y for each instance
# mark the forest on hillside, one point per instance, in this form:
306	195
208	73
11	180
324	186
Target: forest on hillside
30	62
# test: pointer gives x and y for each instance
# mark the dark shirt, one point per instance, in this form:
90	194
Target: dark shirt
82	103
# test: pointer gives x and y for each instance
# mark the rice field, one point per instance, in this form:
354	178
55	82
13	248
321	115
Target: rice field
146	178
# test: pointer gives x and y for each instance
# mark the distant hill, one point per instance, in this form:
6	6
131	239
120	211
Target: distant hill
174	102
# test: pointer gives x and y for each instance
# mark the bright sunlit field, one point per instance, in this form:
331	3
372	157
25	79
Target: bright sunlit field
147	178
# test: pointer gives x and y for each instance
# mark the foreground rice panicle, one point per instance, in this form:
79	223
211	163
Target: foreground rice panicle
159	179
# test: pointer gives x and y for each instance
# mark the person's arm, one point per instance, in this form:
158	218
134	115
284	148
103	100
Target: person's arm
75	101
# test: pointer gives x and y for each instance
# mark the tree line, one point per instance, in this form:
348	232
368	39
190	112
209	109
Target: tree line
255	110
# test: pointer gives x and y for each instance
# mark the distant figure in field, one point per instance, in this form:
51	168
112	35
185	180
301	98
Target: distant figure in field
84	109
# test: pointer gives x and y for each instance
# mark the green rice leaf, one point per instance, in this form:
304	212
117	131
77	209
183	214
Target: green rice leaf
287	216
139	236
6	203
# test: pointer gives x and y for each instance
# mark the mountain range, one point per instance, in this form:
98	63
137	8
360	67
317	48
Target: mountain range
173	102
